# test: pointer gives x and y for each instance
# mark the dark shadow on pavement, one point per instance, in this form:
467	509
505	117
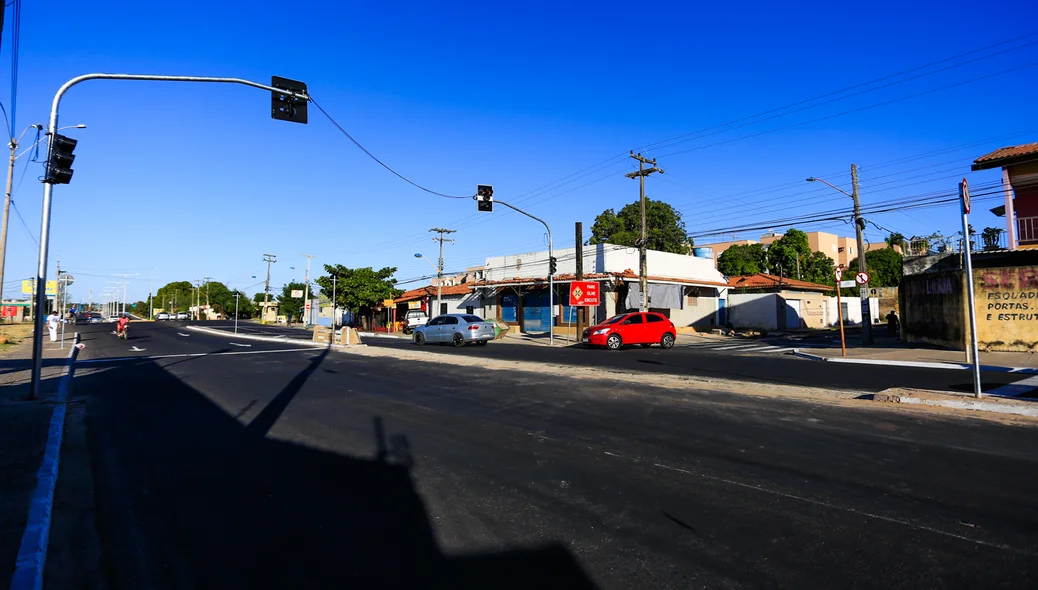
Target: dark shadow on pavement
188	497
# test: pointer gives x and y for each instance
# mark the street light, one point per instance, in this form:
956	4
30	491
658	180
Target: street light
859	226
10	179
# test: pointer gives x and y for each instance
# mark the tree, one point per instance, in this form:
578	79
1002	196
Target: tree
288	305
742	259
220	298
258	297
818	268
664	228
884	267
246	309
358	288
783	253
896	239
178	295
991	236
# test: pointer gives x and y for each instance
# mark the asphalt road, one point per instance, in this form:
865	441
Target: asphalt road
311	468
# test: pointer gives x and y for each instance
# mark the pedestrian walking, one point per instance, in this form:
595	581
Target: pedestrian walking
52	325
892	323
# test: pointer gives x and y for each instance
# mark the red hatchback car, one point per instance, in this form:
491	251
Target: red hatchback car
631	328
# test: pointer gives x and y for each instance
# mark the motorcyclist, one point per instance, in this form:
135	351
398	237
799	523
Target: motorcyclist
121	326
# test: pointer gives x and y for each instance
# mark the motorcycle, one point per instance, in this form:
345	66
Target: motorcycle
122	333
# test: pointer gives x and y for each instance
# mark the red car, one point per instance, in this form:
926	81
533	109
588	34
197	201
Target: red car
631	328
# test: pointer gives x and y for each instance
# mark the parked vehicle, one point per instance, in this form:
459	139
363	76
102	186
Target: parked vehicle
183	315
457	329
414	318
631	328
162	317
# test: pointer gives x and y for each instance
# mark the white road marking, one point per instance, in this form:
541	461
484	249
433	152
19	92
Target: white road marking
193	354
237	344
757	348
731	347
182	334
135	349
1018	388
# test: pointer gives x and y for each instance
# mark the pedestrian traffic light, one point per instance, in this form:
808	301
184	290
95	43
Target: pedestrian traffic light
59	160
485	197
553	265
287	107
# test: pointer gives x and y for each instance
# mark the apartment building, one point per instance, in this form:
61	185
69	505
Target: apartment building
841	249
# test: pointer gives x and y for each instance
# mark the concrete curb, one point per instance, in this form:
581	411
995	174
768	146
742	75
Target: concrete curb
916	364
377	335
284	340
958	405
32	553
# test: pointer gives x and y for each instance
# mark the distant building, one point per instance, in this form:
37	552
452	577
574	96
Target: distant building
840	249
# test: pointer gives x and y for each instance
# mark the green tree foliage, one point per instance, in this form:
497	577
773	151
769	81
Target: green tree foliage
818	268
664	228
288	305
884	267
219	296
358	288
258	297
180	292
895	239
246	309
742	259
783	253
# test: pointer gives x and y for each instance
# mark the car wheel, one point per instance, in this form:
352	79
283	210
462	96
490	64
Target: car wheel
419	338
667	341
483	342
614	342
458	341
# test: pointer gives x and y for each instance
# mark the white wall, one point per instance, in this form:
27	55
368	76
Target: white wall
602	258
704	312
853	310
753	310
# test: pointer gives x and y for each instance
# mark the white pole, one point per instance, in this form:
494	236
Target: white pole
236	296
964	194
334	323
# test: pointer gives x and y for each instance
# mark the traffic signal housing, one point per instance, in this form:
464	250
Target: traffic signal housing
553	265
485	197
286	107
59	160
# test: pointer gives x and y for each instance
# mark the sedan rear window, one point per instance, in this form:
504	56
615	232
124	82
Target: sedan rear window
472	318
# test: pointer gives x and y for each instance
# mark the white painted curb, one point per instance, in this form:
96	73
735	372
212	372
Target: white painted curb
32	553
964	405
216	332
916	364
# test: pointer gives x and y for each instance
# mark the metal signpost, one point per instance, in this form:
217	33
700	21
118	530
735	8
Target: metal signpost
964	193
838	272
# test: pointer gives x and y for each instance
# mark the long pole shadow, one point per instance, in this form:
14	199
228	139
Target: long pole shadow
262	424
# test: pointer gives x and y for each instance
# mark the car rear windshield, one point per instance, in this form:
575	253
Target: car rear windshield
472	318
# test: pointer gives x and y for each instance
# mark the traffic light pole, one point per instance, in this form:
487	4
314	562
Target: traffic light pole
48	190
551	281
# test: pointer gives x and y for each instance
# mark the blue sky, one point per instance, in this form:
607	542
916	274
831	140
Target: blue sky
518	97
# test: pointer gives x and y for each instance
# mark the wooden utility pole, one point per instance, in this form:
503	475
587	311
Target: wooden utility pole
269	258
439	266
643	280
581	311
863	289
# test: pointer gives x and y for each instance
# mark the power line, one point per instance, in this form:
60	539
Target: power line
27	230
380	162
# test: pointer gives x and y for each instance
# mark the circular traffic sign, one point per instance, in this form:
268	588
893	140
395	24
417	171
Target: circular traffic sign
964	188
861	278
66	278
838	271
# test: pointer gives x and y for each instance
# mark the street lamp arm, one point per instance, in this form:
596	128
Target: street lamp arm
823	181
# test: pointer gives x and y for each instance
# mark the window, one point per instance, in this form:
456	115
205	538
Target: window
634	319
471	318
470	310
435	322
443	308
614	319
653	318
450	320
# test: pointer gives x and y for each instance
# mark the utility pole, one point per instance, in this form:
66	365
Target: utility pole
198	299
439	266
581	320
863	289
643	280
237	294
269	258
206	279
306	290
334	309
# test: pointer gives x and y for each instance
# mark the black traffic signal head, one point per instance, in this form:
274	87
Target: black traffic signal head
553	265
485	197
59	159
287	107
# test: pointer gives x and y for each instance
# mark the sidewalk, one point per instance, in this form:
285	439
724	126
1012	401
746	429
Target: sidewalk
23	437
889	351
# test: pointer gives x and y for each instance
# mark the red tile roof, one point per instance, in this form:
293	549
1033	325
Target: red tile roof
625	275
447	290
764	281
1013	154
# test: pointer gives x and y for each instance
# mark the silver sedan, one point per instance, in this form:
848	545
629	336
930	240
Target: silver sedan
457	329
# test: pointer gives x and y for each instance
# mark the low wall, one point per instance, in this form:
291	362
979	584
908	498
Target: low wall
933	308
